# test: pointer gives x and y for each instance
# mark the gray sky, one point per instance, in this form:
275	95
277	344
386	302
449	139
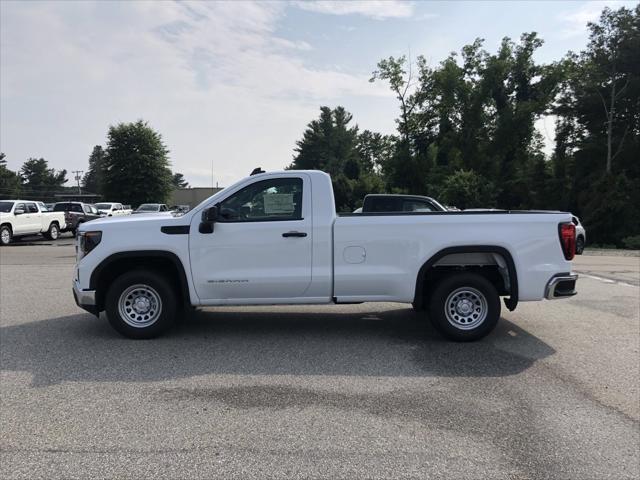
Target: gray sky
233	84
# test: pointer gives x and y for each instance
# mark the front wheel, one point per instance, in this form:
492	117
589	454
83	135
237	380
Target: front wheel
464	307
5	235
141	304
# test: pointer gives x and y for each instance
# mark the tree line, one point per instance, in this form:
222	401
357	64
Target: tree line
466	131
465	135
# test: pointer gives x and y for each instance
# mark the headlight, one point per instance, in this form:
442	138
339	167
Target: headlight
89	241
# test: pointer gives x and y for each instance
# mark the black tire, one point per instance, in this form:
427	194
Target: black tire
54	232
159	286
6	235
470	292
579	245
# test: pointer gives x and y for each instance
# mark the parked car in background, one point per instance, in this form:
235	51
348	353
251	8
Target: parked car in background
112	209
76	213
581	235
25	217
180	209
152	208
274	238
400	203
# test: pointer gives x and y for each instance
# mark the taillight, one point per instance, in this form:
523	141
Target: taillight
567	232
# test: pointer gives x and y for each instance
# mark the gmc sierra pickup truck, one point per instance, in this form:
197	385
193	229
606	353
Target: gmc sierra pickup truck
19	218
275	238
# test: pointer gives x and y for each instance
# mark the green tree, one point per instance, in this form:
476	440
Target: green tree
10	183
92	180
136	165
468	189
39	181
598	129
178	181
330	144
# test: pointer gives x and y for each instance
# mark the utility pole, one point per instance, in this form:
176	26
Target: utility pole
78	178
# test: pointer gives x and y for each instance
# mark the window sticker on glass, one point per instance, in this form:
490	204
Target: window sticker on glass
278	203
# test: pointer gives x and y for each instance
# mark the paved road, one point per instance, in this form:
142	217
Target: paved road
317	392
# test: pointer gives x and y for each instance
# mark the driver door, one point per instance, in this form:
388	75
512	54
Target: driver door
260	247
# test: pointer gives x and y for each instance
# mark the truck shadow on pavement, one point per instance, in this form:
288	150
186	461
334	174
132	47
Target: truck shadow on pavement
395	342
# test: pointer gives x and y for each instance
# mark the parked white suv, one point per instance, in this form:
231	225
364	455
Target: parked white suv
275	238
581	235
25	217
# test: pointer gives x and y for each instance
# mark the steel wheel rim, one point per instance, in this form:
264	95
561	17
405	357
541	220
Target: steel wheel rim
5	235
466	308
140	306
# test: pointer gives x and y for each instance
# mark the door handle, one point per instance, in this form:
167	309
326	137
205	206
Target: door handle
294	234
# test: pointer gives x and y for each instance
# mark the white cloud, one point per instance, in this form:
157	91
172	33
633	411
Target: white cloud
214	78
575	21
378	9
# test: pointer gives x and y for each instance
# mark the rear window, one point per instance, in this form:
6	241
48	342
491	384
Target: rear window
381	204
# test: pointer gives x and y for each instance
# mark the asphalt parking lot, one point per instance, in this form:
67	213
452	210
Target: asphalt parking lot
360	391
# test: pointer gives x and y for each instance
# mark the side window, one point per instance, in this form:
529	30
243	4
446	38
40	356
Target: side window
21	206
267	200
163	208
383	204
43	207
76	208
118	207
31	208
87	209
416	206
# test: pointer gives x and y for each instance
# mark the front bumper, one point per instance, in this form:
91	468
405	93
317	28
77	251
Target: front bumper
561	286
85	299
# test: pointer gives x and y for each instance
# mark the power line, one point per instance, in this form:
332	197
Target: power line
78	177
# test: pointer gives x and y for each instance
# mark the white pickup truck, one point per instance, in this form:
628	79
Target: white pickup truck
25	217
111	209
275	238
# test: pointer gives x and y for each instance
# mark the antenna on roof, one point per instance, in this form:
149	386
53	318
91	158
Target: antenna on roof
257	170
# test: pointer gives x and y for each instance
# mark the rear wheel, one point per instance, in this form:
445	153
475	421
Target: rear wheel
53	233
464	307
5	235
579	245
141	304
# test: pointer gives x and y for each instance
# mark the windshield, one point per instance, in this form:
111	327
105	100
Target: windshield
103	206
148	207
5	207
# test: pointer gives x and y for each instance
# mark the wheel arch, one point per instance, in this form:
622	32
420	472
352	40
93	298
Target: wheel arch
118	263
422	278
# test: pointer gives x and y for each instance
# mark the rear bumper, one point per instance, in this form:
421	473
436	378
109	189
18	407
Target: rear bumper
85	299
561	286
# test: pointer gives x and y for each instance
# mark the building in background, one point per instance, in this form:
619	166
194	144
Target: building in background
191	196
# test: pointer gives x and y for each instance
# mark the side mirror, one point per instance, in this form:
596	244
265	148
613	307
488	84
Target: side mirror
18	211
209	217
